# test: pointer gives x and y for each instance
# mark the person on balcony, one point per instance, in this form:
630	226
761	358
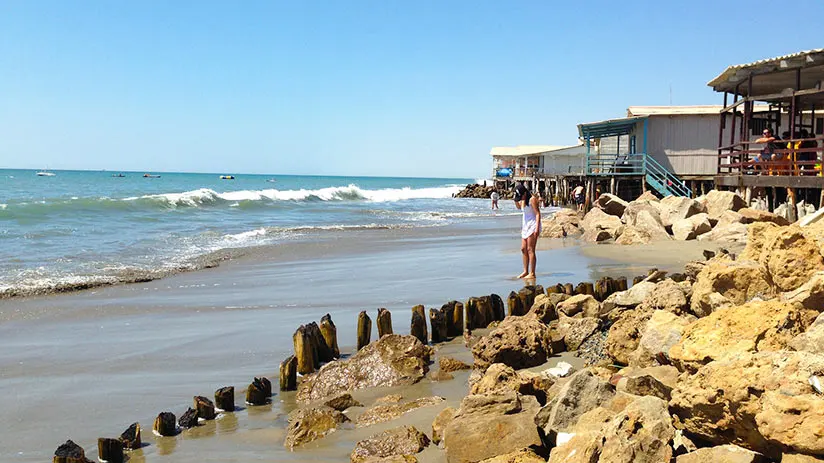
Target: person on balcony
771	144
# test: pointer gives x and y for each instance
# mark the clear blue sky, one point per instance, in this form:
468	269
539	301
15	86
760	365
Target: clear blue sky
385	87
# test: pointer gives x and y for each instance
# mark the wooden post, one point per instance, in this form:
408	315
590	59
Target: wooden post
288	374
515	307
384	322
225	396
330	335
774	199
612	185
304	352
364	329
498	307
472	317
131	437
438	322
69	452
792	211
188	419
259	392
205	408
323	353
621	284
165	424
110	450
455	326
568	289
748	196
417	327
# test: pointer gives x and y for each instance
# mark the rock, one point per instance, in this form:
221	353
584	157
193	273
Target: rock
799	458
727	218
762	401
682	444
722	453
439	375
641	433
811	340
649	222
381	413
520	456
502	379
789	257
403	440
657	381
753	327
733	233
630	298
675	208
577	330
389	399
308	424
668	295
692	227
625	334
600	226
733	282
581	393
486	426
392	360
754	215
662	331
611	204
581	303
561	224
633	235
520	342
544	309
634	208
810	294
442	420
448	364
342	402
718	202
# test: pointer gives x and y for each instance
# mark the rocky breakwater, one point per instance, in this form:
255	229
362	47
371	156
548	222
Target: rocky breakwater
716	216
474	190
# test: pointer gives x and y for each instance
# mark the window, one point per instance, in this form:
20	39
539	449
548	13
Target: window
632	144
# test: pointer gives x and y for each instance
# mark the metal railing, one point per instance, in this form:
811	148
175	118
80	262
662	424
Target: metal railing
801	157
637	164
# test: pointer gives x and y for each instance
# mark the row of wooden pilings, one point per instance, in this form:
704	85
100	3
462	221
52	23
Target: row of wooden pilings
315	344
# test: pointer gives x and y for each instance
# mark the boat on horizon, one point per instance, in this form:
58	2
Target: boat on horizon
150	176
44	173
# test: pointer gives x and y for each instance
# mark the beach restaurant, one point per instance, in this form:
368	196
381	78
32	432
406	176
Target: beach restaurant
540	167
788	168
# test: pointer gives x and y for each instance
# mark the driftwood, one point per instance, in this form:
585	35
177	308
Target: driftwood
225	398
289	374
364	329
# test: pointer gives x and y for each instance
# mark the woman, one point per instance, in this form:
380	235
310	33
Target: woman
530	228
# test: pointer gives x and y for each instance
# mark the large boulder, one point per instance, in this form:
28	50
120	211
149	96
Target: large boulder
440	423
611	204
561	224
675	208
580	303
811	340
754	215
735	233
520	342
582	392
544	307
625	333
726	219
308	424
810	294
650	222
387	412
762	401
632	235
520	456
502	379
393	360
486	426
634	208
722	453
718	202
754	327
662	331
403	440
630	298
575	331
691	227
656	381
789	257
668	295
600	226
727	282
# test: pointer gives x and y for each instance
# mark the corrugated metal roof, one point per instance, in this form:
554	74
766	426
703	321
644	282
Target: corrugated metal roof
608	128
682	110
733	73
527	150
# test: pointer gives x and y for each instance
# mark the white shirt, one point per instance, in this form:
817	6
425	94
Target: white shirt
495	196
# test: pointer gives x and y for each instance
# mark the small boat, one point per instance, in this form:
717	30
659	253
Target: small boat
44	173
118	175
227	177
150	176
271	180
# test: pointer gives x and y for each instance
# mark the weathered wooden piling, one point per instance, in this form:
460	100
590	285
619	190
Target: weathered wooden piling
225	398
603	288
621	284
304	351
188	419
438	322
498	307
330	335
384	322
638	279
417	326
487	308
515	306
473	320
323	353
585	287
70	452
364	329
568	289
205	408
165	424
131	437
259	392
528	295
110	450
453	312
557	288
289	374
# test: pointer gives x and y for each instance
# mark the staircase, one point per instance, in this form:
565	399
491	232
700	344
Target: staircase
663	181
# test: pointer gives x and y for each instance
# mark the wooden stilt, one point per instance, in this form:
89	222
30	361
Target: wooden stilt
792	211
748	196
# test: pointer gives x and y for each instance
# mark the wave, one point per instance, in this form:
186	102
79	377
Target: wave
205	197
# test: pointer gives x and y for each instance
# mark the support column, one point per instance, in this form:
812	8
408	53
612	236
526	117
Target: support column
792	212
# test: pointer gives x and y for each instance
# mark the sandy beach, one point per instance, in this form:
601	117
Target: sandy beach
87	364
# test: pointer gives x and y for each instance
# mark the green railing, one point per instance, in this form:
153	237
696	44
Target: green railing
637	164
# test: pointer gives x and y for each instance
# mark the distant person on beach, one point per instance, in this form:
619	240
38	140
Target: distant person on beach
578	196
495	197
530	228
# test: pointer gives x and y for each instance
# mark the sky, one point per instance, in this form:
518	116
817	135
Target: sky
352	87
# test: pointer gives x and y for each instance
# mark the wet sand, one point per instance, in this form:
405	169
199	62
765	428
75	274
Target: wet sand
88	364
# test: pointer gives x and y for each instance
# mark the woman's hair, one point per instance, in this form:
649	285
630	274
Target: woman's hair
522	194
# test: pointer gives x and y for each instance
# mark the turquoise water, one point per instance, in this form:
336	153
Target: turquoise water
80	228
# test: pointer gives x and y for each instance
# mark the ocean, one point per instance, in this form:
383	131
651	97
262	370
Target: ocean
81	229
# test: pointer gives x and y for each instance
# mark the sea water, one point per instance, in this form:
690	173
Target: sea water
80	229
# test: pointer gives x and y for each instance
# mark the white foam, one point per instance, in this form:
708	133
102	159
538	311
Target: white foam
3	206
247	235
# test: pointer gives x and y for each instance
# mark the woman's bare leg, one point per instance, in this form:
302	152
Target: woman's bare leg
525	256
531	243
